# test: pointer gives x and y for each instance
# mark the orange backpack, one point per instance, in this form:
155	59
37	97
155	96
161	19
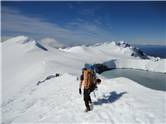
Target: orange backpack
88	78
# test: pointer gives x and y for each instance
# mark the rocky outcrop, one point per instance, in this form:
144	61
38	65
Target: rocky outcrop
100	68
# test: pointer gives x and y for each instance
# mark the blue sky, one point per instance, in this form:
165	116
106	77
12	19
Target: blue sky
86	22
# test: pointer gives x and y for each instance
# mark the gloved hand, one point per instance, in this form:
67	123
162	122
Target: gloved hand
80	92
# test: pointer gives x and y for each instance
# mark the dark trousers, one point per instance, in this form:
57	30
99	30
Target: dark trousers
87	98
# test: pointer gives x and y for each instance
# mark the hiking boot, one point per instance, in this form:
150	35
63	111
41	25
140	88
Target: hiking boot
86	110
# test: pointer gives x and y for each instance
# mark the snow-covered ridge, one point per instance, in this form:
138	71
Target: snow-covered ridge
57	101
122	54
44	44
148	65
25	62
120	47
111	48
20	54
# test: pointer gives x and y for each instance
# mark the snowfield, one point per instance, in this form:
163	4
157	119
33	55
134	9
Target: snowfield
148	65
25	62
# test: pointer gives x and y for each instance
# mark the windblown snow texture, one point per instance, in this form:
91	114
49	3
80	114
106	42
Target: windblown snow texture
56	100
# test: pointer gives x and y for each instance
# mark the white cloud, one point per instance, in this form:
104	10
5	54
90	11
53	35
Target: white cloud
15	23
52	42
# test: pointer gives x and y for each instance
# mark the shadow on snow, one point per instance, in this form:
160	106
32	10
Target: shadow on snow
112	97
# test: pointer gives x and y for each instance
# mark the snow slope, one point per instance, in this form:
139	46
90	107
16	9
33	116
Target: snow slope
120	55
147	64
57	101
26	61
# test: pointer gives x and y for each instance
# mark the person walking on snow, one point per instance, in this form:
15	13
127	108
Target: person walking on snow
86	81
89	82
